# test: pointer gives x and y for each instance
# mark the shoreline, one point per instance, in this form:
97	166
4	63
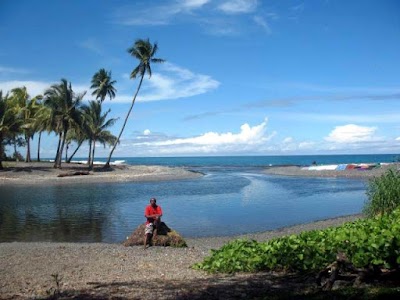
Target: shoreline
355	173
18	173
27	269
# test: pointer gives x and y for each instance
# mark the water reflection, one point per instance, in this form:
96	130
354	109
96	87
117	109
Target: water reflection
221	203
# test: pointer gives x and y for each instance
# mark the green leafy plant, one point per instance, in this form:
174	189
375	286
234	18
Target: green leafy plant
366	242
383	194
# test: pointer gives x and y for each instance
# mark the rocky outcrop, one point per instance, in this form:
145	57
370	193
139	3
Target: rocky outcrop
165	237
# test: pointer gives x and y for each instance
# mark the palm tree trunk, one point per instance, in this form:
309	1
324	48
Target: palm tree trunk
66	152
90	152
58	150
15	148
62	149
107	164
76	150
38	149
1	151
28	149
92	160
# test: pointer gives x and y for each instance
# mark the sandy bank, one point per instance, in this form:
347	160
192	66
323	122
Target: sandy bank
44	173
298	171
93	271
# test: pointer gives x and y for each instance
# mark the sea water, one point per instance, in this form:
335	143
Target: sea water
233	197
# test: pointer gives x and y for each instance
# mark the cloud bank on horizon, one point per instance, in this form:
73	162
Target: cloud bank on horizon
242	77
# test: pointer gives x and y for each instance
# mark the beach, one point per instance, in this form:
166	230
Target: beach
44	173
347	173
109	271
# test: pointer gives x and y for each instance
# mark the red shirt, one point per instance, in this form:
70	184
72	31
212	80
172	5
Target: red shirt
150	210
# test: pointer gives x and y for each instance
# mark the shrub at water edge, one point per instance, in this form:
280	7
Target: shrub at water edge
365	242
383	193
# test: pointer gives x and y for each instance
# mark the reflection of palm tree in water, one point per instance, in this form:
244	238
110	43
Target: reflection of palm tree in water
71	215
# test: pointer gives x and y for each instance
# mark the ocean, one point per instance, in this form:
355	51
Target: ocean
233	197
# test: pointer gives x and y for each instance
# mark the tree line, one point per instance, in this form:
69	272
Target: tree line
60	111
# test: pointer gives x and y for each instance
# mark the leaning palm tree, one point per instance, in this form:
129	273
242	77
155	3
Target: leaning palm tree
63	104
103	85
144	51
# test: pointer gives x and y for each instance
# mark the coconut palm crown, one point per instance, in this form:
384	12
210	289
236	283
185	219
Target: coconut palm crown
103	85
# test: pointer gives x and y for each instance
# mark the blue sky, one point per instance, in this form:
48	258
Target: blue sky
242	77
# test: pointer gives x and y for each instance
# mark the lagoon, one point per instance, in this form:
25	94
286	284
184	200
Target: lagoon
226	201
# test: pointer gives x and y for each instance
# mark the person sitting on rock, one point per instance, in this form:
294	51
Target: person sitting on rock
153	214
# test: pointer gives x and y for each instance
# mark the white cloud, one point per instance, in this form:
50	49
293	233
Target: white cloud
263	23
92	45
175	82
8	70
351	134
248	139
36	87
287	140
398	139
238	6
156	15
146	132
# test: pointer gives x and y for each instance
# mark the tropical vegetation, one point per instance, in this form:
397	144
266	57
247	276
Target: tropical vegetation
60	110
368	245
144	51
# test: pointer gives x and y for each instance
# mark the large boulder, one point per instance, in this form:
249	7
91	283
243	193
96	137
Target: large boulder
165	237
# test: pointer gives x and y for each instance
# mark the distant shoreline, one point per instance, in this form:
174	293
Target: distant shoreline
348	173
17	173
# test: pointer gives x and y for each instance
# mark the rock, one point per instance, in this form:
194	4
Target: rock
165	237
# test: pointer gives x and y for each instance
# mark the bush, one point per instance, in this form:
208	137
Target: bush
383	194
365	243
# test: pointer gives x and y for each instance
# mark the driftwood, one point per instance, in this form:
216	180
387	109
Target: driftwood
77	173
165	237
343	271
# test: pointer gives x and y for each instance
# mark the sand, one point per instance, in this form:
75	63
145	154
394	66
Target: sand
112	271
44	173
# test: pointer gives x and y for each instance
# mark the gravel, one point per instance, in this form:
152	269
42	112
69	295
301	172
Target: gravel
99	270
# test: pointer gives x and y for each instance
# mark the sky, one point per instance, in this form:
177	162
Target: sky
241	77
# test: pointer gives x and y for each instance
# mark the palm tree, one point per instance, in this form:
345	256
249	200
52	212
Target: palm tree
96	123
63	104
42	123
26	108
9	124
144	51
103	85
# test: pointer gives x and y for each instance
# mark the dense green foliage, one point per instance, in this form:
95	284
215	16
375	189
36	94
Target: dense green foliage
365	242
383	194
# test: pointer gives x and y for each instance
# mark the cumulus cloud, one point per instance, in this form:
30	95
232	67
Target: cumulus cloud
249	139
247	135
146	132
351	134
238	6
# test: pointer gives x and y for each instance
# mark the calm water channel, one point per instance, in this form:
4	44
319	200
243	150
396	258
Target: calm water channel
223	202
